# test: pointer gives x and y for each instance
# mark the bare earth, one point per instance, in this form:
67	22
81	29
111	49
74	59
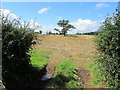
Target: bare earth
80	50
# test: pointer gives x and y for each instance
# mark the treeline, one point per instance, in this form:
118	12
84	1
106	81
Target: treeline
51	33
89	33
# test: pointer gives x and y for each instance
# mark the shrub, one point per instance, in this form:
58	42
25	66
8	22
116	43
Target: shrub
17	72
108	43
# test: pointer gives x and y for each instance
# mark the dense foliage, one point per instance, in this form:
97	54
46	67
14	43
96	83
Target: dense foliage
17	72
108	43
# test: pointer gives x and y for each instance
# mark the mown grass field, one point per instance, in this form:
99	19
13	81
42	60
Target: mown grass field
78	49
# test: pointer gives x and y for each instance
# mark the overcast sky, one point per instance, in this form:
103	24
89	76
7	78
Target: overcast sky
85	16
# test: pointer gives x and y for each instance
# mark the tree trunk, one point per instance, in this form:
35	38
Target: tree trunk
64	34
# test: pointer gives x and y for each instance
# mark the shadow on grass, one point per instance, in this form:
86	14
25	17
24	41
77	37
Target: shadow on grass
58	82
29	79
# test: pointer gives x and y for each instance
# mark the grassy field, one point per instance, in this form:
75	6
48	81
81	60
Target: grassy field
79	49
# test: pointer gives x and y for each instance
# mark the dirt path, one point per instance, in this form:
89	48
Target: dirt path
78	49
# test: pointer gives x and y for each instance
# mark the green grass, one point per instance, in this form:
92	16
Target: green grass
70	35
39	58
65	77
95	74
65	68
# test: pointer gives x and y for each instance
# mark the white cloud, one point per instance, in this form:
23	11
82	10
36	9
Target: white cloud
101	5
58	17
102	21
48	28
34	25
8	14
43	10
84	25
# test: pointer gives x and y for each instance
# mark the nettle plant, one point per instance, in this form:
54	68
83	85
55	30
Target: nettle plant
108	43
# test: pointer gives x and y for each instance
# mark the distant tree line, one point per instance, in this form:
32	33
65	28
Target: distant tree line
60	33
89	33
51	33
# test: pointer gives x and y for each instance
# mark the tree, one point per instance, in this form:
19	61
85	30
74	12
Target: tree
40	32
49	32
65	27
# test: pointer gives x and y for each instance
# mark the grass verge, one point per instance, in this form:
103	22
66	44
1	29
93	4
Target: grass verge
96	75
39	58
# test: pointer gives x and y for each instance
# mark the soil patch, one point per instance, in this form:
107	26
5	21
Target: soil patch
84	75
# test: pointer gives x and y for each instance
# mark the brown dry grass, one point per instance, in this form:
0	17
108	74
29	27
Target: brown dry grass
79	49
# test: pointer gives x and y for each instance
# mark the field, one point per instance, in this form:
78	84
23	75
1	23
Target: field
79	49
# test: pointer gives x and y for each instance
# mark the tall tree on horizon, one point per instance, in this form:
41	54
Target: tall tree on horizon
65	26
40	31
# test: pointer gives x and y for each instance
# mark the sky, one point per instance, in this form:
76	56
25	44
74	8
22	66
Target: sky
85	16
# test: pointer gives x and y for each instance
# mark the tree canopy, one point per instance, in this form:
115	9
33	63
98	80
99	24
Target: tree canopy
65	27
